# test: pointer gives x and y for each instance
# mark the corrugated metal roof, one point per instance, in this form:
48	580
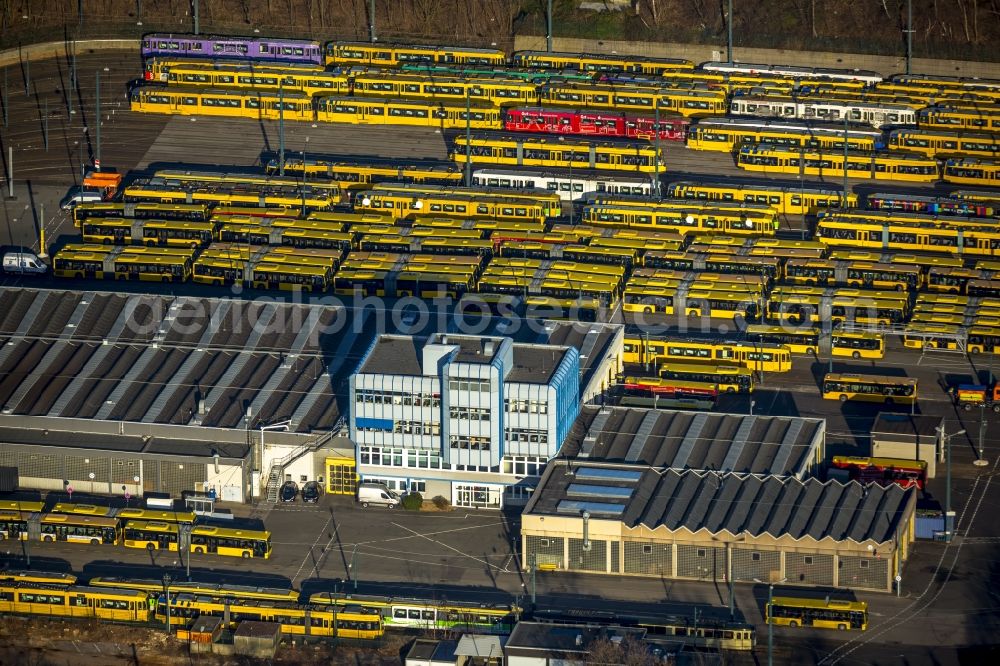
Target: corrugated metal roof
704	441
737	503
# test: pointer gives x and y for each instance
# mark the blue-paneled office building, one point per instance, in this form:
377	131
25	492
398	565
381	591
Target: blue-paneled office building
473	419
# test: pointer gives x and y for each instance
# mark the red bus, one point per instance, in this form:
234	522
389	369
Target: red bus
883	471
594	123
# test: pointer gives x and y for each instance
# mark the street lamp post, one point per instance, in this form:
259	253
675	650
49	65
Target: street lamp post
767	618
947	491
166	587
981	461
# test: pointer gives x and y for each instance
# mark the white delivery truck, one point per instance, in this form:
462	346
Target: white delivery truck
23	263
376	493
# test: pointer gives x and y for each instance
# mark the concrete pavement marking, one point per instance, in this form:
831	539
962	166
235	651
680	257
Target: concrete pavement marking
919	604
440	543
309	553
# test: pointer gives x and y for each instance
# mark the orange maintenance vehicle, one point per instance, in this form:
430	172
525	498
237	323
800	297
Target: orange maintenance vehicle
968	396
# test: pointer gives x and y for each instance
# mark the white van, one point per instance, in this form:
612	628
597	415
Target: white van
23	263
376	493
79	195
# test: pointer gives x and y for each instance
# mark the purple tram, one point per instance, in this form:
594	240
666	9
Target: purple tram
246	48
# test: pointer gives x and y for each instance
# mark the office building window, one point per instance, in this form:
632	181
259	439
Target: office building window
524	465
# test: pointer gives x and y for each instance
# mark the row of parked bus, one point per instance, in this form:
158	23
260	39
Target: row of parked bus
130	527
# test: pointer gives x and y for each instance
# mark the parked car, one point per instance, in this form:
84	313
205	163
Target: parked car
289	491
311	492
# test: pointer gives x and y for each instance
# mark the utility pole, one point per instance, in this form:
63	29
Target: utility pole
281	128
371	22
27	74
97	122
729	26
10	167
41	232
468	140
5	98
45	124
909	36
197	25
548	28
844	206
656	148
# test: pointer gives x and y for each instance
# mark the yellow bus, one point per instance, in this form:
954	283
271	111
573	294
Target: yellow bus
954	117
821	613
797	339
729	378
683	222
140	211
433	285
984	340
230	541
290	277
78	528
869	388
82	509
133	513
928	237
14	524
580	308
857	345
151	535
931	335
132	265
759	356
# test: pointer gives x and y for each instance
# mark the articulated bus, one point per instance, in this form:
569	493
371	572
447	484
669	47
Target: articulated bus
53	578
785	200
870	388
805	340
760	356
140	211
148	232
884	471
821	613
729	378
880	166
853	274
